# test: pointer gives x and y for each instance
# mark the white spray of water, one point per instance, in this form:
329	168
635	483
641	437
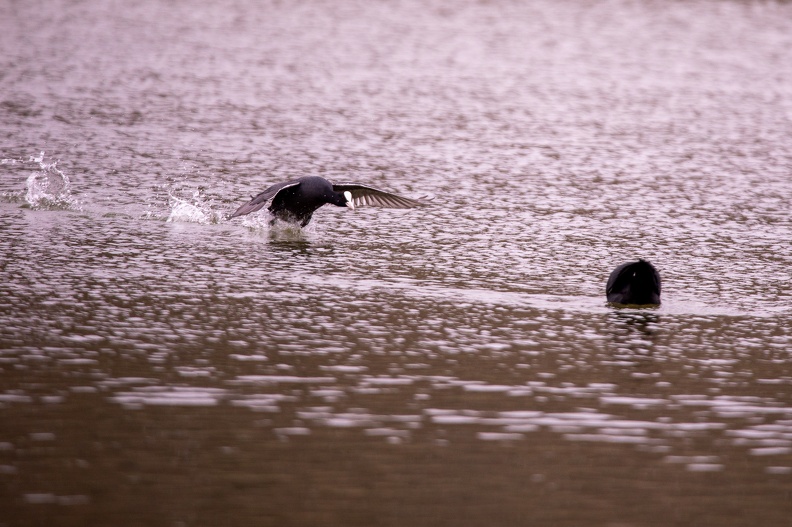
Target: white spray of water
48	187
194	210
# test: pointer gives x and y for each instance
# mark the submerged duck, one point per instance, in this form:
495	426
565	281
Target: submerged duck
634	283
295	201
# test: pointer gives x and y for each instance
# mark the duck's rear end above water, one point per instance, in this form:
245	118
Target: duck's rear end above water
636	283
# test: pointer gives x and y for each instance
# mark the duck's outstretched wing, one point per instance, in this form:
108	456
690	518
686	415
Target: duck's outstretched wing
365	196
258	201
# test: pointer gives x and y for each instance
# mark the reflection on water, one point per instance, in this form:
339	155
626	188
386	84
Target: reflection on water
457	364
634	327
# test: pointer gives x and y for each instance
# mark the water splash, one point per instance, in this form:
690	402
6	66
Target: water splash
49	188
193	210
264	224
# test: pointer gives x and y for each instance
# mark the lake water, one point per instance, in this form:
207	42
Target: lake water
450	365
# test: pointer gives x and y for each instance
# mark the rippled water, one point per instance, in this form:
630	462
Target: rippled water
451	365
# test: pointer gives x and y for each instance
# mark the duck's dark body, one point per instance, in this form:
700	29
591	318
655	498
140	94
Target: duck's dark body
634	283
295	201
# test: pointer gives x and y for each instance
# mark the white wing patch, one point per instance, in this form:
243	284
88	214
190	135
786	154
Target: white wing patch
350	202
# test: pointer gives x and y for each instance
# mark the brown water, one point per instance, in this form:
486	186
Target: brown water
452	365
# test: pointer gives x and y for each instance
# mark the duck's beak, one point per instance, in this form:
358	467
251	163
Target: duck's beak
350	202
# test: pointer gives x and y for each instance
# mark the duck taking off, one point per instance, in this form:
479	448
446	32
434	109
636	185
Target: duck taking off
295	201
634	283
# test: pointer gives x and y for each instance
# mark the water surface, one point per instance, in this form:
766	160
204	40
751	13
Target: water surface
455	364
